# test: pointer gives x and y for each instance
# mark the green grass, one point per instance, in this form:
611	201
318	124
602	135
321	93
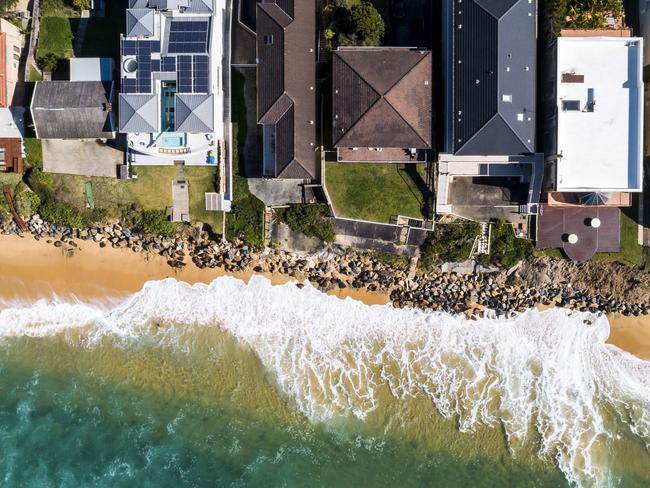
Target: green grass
375	192
11	179
59	8
246	220
631	253
550	253
152	190
102	37
55	37
34	75
646	255
34	152
202	180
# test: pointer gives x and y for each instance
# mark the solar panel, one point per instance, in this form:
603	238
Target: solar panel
129	85
201	74
129	48
155	65
188	37
184	73
169	63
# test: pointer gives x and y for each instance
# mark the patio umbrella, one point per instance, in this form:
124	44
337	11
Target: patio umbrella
594	198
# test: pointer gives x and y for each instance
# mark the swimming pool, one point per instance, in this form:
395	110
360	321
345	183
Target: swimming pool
172	140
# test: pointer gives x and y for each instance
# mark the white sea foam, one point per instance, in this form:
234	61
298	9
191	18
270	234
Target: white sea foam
550	370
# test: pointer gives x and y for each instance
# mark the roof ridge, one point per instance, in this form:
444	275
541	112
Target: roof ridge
395	85
379	97
405	74
496	115
426	144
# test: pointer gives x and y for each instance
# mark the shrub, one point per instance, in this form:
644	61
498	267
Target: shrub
368	23
360	24
81	4
41	183
506	250
449	243
27	202
155	222
48	62
310	219
61	213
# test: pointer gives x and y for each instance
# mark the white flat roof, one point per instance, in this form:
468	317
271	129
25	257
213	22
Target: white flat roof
91	69
8	126
600	114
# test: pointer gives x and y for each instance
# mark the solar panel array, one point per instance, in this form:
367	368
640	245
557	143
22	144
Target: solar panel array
188	37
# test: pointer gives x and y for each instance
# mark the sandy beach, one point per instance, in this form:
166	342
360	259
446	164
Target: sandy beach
34	269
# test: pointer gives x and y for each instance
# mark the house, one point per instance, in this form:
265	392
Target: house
599	128
488	167
11	144
172	102
382	104
73	110
11	46
286	87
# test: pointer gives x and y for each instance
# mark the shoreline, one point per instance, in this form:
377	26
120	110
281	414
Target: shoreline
33	270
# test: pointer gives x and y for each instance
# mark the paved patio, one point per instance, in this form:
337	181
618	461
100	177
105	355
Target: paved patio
84	158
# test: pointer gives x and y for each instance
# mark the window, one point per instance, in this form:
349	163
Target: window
2	155
570	105
16	49
268	39
16	57
506	98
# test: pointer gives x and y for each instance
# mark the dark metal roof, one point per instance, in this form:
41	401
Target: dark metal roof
382	98
286	82
493	62
72	110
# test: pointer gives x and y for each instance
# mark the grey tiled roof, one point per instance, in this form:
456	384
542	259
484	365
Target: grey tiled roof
139	22
139	113
493	64
194	113
73	110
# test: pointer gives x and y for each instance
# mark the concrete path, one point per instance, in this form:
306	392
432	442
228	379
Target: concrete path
81	32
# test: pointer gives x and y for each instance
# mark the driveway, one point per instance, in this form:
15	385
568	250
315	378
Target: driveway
85	158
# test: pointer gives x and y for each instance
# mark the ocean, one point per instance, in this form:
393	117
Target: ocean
241	385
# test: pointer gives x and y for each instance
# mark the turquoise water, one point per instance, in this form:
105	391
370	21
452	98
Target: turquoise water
133	396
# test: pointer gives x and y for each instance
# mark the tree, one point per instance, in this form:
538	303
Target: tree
7	6
81	4
48	62
368	23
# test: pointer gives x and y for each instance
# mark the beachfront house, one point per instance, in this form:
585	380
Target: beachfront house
11	143
286	88
382	104
599	146
11	47
173	70
488	167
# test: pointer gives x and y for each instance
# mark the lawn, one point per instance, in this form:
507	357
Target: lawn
376	192
55	37
152	190
34	152
59	8
631	253
102	37
34	75
245	221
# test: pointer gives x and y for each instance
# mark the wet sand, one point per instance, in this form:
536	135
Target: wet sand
31	269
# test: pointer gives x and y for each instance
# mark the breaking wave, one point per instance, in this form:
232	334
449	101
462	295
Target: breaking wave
545	374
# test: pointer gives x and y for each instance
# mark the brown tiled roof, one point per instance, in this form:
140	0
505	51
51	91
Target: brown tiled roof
286	81
382	98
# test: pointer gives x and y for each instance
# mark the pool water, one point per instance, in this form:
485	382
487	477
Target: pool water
172	140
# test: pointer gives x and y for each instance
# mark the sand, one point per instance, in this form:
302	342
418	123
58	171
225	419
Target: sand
33	269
